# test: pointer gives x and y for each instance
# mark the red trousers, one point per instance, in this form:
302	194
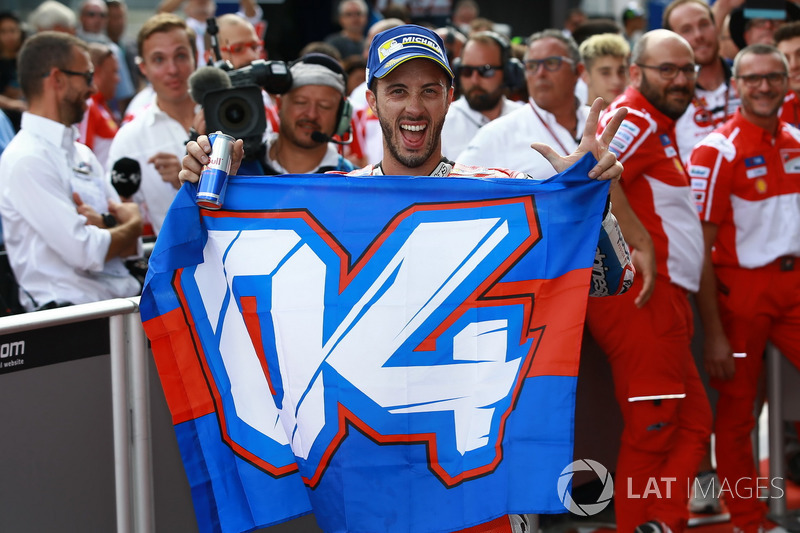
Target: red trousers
756	305
664	405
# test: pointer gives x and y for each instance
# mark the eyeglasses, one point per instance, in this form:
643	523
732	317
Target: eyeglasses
550	64
484	71
93	14
754	80
353	14
88	75
669	71
238	48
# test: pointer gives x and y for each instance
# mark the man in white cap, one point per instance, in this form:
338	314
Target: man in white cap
313	111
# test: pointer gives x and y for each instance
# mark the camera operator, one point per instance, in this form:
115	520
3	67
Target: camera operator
311	103
239	45
313	111
156	137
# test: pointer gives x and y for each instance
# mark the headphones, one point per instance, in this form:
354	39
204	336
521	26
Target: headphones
513	69
345	112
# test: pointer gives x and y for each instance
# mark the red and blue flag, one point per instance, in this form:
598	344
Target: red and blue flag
393	354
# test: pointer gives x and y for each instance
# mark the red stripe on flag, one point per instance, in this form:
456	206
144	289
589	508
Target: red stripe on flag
559	310
182	376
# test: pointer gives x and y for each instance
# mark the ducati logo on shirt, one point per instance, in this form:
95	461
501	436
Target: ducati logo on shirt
703	117
791	160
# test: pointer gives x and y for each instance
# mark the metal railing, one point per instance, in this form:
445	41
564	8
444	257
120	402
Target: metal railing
133	466
133	472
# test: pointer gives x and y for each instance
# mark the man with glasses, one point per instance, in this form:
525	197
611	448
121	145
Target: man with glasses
66	230
481	77
552	115
746	181
240	45
156	136
663	403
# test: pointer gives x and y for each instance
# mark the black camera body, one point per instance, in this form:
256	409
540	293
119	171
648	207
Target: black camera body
238	110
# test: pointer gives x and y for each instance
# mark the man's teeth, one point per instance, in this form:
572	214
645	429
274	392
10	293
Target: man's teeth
413	128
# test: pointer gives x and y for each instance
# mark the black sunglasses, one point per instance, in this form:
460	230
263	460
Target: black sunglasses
484	71
88	75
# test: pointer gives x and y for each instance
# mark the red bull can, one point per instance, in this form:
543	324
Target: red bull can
214	176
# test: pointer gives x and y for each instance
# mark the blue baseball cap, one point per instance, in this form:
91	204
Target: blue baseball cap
397	45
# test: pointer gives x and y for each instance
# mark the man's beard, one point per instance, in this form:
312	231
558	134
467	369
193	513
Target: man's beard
73	110
659	99
480	100
411	160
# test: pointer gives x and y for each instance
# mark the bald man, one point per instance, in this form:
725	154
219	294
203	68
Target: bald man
664	405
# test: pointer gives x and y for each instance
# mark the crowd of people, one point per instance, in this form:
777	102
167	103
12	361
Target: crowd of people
100	130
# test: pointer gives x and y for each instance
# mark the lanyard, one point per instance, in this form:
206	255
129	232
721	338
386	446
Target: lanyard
564	151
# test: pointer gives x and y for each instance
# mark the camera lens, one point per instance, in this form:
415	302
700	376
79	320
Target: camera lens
233	112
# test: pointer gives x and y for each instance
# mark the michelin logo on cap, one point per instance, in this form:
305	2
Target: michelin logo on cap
391	47
397	45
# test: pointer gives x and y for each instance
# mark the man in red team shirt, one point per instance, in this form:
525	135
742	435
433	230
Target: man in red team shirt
746	181
787	39
664	405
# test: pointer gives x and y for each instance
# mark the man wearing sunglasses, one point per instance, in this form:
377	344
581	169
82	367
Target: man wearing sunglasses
552	115
746	182
665	409
67	232
481	79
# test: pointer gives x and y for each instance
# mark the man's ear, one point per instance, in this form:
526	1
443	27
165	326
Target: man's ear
372	101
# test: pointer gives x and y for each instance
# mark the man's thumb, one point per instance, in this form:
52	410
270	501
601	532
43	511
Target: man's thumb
546	151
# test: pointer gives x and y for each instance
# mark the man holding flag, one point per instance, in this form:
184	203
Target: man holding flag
410	89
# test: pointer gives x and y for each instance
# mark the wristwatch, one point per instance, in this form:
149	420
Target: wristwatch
109	220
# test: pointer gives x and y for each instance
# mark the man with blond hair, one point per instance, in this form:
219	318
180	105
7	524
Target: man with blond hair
605	66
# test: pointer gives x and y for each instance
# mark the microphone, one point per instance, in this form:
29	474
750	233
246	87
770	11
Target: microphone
207	79
126	176
319	137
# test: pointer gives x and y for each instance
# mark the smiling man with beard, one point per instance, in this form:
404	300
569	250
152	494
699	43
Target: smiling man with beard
53	189
666	414
481	77
409	89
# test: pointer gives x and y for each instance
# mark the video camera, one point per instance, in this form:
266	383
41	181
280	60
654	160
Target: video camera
231	98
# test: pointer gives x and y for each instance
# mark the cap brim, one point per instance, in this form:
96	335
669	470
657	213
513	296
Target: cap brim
399	59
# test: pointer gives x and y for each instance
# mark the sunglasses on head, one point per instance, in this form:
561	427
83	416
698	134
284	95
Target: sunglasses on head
484	71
